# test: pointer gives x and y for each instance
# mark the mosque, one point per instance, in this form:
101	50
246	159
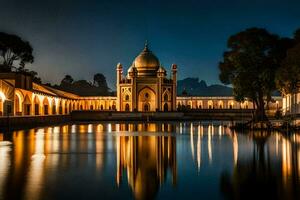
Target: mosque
145	88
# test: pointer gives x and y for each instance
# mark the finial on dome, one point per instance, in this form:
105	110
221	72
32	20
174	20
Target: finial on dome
146	46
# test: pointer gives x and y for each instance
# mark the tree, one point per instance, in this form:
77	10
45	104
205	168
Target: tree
13	48
288	76
67	80
100	80
250	63
35	77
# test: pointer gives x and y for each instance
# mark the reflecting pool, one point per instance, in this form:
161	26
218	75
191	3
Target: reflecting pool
188	160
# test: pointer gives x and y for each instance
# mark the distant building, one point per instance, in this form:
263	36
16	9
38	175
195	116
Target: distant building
291	106
144	88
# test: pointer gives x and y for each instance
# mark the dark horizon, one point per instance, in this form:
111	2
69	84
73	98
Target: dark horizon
81	39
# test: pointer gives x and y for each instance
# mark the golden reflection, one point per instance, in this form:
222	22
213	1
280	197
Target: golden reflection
35	172
199	151
235	146
286	160
146	160
209	143
192	141
4	164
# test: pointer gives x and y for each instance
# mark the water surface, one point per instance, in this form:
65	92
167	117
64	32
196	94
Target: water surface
190	160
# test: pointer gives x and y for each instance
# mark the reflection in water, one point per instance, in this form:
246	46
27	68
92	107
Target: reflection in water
146	161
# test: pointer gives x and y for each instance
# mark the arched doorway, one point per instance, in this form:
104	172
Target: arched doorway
146	107
36	105
146	100
166	107
127	107
46	106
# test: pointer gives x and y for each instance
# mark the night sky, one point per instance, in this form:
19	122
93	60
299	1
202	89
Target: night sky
82	38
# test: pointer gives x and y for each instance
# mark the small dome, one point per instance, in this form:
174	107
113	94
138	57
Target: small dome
146	63
131	69
161	70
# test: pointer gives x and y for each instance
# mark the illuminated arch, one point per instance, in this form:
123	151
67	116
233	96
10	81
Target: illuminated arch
19	98
230	104
146	100
210	104
46	106
36	103
220	104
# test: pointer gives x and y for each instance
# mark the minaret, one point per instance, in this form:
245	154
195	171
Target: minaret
174	78
119	78
161	72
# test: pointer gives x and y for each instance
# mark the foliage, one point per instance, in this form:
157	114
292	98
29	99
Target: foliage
13	48
84	87
250	63
67	80
192	86
288	76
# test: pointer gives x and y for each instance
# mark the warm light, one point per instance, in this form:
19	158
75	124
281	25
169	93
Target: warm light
2	96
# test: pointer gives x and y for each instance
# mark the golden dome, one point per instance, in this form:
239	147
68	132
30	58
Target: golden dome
146	62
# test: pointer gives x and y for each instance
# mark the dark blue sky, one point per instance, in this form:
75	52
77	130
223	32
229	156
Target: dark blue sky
82	38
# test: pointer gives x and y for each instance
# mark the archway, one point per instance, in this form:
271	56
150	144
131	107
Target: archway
36	102
46	106
60	108
166	107
210	104
230	104
53	107
221	105
146	107
127	108
27	105
146	100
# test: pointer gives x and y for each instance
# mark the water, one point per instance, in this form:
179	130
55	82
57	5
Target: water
148	161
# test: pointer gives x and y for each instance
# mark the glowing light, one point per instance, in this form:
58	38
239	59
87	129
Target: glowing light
199	151
192	140
209	148
90	128
2	96
235	148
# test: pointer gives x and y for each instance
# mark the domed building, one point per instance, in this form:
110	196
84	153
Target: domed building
146	86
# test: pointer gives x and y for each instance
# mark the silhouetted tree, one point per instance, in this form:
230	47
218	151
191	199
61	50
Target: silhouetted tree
250	64
288	76
35	77
13	48
100	80
67	80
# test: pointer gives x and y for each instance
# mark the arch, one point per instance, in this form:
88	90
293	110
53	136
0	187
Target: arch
27	105
54	106
114	107
36	103
60	107
127	107
19	98
46	106
166	95
166	107
146	96
199	104
210	104
146	107
220	104
230	104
